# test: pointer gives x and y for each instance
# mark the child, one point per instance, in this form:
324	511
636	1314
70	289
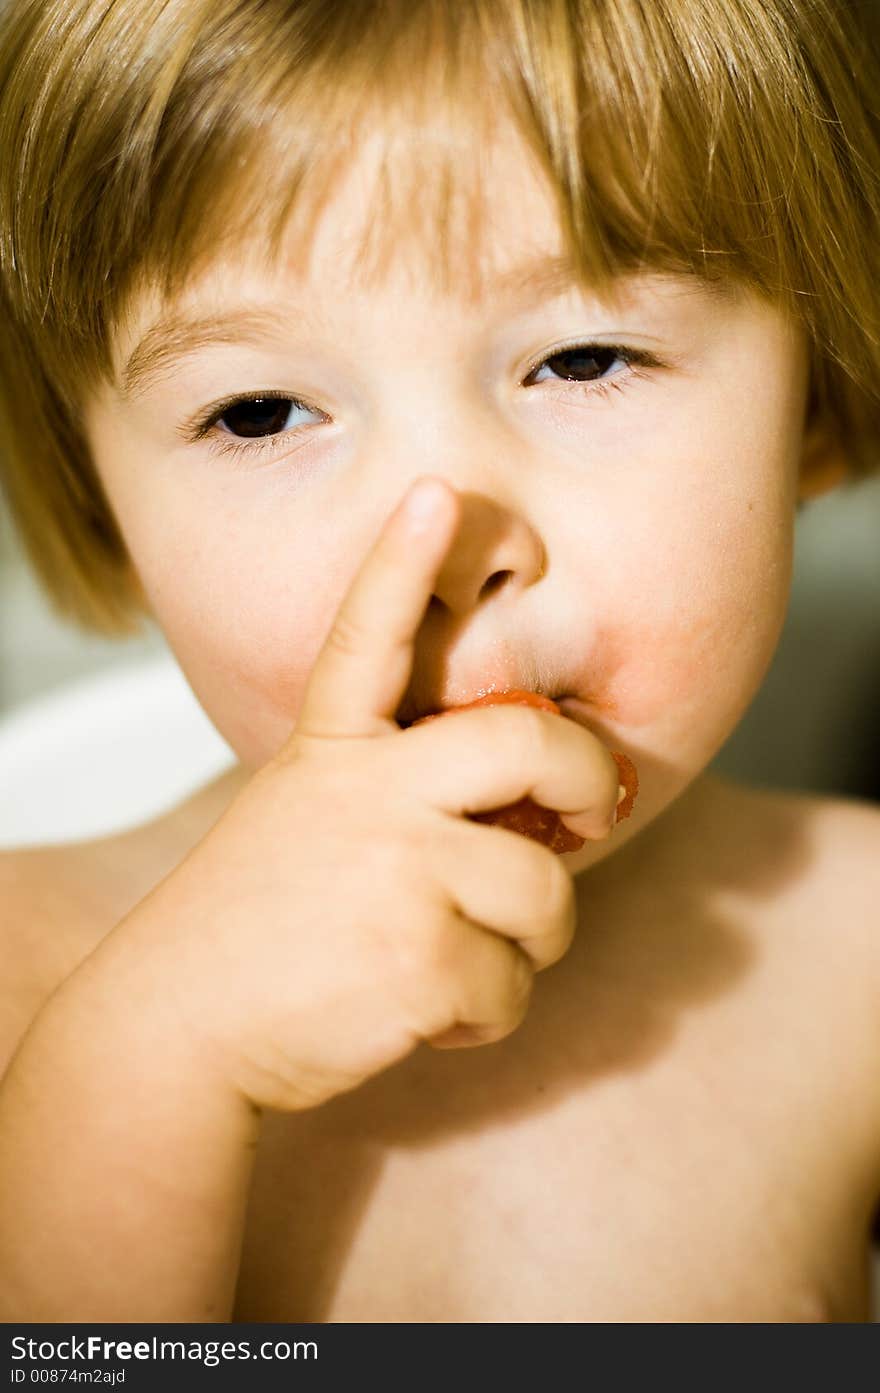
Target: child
596	287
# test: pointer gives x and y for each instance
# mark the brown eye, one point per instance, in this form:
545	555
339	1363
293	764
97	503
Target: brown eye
257	416
583	363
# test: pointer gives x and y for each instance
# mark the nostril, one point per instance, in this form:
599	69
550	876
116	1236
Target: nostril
494	583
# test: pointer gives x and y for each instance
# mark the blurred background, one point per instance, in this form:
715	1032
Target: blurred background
814	725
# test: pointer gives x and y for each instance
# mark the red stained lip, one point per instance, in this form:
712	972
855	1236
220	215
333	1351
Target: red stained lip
569	705
495	698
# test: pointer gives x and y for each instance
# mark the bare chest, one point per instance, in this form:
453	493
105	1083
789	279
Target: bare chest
651	1144
683	1128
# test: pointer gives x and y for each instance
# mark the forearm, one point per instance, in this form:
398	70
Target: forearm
125	1163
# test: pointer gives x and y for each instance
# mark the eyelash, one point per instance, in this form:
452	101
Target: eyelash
635	359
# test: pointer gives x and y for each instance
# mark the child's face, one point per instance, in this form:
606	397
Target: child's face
663	513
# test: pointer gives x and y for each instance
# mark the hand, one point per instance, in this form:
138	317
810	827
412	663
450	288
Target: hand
343	909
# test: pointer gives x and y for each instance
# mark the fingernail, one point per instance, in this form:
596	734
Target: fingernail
621	794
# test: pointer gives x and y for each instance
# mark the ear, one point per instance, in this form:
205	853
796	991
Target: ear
823	462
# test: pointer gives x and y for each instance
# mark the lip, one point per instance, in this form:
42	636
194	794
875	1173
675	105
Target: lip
441	707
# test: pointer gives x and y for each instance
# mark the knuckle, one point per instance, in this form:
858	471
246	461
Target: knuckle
346	638
526	732
523	979
518	994
426	949
547	885
393	862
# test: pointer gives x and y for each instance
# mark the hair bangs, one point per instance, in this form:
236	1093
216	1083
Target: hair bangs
633	112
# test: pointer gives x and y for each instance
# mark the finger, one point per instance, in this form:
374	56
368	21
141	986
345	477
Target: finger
509	884
477	759
364	667
485	986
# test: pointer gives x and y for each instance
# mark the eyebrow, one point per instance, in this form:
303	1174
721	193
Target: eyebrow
179	335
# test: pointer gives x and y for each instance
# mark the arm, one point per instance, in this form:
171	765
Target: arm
125	1161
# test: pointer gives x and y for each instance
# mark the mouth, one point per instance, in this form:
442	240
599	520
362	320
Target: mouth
575	709
406	718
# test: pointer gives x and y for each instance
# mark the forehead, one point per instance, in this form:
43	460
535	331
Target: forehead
490	238
383	219
374	221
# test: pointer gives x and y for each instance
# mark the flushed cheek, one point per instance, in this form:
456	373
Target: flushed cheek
694	634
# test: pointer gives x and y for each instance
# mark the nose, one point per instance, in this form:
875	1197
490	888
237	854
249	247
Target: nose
494	547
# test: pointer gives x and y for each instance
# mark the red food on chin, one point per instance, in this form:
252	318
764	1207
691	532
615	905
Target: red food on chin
543	825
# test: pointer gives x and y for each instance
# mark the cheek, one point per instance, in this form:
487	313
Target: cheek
696	661
245	624
697	601
239	591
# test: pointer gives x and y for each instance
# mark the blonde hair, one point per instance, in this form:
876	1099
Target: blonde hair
735	140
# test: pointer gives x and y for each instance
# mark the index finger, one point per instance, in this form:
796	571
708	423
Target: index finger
363	669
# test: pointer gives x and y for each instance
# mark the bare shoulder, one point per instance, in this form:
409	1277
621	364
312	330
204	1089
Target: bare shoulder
41	933
56	904
823	846
803	871
800	872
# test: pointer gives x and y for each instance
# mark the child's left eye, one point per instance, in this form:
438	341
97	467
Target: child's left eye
268	411
589	358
